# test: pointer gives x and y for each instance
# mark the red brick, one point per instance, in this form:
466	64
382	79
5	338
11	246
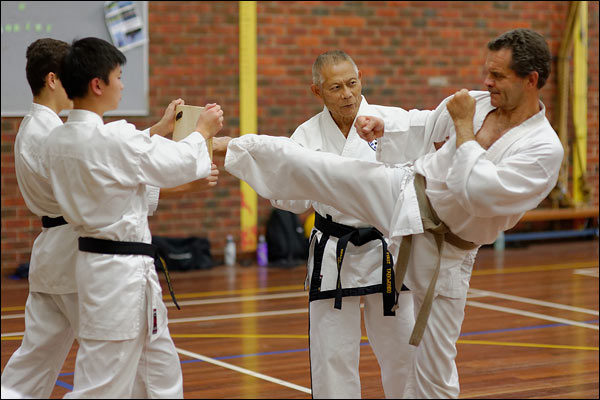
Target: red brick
308	41
345	21
193	53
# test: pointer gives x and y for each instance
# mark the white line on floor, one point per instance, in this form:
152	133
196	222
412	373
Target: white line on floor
532	301
243	370
587	271
13	316
530	314
13	334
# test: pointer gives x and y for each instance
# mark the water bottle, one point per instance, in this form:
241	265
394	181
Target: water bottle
262	253
499	244
230	251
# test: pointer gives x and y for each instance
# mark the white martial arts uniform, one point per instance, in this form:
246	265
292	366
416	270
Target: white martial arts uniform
99	174
334	335
51	311
51	308
476	192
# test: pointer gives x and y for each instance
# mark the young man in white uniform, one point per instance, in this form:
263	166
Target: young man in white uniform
479	185
100	176
51	308
335	333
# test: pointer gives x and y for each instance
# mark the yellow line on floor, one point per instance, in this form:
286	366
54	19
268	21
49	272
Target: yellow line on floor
243	336
15	308
234	335
237	291
12	338
364	338
538	345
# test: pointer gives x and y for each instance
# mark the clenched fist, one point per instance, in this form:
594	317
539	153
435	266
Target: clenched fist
462	110
461	106
369	128
210	121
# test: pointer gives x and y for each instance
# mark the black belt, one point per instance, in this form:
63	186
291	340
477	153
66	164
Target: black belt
104	246
48	222
358	237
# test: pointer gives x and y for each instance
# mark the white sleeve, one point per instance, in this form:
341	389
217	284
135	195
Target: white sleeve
411	134
152	192
295	206
161	162
516	184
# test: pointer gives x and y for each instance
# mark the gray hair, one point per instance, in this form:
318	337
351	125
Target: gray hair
331	57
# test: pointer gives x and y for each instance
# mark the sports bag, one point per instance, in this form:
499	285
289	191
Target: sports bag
287	245
184	254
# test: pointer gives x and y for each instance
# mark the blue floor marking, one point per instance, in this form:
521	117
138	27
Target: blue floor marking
593	321
64	384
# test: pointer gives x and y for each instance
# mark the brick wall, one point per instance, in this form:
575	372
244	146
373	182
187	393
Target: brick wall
412	54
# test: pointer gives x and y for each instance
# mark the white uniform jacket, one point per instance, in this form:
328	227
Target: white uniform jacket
478	193
362	265
54	251
100	176
52	263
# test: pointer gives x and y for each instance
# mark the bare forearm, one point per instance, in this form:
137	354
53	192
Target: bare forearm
175	191
158	129
464	132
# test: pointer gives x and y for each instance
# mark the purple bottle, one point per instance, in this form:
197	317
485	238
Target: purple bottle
262	253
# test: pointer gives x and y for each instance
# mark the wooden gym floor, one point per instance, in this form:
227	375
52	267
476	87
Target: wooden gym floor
530	331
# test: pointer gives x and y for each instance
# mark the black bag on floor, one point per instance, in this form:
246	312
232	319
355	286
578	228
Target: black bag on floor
184	254
22	271
286	243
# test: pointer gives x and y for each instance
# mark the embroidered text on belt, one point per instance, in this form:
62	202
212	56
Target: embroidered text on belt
358	237
104	246
442	234
49	222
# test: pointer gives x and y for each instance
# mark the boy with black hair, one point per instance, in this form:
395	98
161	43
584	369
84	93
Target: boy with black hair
51	308
101	176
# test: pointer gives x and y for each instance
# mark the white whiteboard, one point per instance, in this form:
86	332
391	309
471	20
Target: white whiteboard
23	22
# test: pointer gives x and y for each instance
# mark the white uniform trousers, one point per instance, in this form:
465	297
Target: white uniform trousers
159	371
133	368
11	394
335	345
434	374
33	368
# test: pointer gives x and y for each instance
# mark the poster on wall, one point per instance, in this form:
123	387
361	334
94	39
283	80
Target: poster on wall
124	24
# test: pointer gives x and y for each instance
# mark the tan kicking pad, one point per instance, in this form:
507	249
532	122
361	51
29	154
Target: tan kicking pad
185	123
